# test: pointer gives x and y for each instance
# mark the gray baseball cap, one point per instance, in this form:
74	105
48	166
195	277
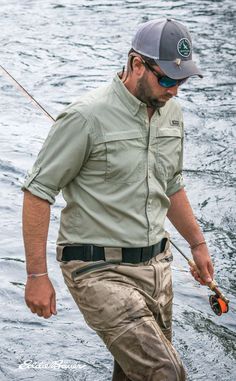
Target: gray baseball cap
169	43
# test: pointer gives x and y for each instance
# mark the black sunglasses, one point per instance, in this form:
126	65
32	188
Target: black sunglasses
163	80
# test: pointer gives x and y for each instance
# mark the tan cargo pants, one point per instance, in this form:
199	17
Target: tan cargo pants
130	308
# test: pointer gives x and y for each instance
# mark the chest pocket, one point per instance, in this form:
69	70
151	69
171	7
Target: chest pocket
126	152
168	152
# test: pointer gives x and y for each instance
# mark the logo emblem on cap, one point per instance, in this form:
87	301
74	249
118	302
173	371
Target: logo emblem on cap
184	47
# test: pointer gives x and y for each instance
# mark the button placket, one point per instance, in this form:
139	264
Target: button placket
150	182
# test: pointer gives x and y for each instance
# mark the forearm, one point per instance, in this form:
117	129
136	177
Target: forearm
36	217
181	216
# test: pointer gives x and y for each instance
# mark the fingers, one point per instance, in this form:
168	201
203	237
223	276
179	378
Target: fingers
40	297
203	276
201	265
40	310
211	270
196	276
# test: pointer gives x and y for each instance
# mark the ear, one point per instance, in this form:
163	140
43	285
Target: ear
138	67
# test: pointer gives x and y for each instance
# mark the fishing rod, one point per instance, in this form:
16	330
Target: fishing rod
26	93
218	302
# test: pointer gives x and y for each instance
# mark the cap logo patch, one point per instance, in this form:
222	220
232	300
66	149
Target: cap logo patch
184	47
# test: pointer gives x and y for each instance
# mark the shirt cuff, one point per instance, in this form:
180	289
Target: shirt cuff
175	184
38	189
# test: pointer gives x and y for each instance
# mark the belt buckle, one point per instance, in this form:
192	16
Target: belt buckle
113	254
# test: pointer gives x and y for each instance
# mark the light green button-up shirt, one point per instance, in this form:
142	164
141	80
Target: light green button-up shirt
114	167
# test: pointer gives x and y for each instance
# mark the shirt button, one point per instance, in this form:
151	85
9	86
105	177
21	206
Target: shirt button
149	175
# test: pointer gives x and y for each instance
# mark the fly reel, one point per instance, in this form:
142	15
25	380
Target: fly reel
218	305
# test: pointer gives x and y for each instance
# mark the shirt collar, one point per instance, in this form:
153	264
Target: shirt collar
128	99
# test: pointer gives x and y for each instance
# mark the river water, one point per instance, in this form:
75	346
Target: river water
58	50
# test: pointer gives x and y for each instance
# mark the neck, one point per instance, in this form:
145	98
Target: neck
150	112
129	84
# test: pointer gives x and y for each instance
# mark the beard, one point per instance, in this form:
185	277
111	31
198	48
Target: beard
144	94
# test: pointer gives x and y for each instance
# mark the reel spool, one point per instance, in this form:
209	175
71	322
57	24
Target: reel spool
218	305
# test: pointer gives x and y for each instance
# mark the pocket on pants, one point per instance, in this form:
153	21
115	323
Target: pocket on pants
164	319
164	294
74	271
88	268
163	278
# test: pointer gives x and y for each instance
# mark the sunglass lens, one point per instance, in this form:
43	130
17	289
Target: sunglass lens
170	82
167	82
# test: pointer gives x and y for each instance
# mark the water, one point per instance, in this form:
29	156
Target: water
58	50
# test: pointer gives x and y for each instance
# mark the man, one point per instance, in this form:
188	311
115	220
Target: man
116	155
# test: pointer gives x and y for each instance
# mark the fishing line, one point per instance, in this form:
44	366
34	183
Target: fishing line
26	93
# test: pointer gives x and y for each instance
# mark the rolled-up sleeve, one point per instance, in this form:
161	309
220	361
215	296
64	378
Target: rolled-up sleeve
175	184
63	153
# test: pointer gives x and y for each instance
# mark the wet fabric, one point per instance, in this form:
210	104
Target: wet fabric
114	167
130	308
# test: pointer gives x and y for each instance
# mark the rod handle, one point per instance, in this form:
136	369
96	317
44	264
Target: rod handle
212	285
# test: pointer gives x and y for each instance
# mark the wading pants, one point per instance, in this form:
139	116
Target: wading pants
130	308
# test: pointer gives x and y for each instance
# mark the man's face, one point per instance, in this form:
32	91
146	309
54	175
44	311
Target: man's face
150	92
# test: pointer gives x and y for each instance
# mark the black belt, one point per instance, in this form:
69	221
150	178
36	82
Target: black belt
97	253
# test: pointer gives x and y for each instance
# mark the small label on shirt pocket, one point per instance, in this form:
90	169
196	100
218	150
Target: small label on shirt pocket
168	152
125	156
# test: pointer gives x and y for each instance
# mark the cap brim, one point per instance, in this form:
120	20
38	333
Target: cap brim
184	70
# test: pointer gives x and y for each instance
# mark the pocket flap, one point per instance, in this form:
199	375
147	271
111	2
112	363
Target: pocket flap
124	135
165	132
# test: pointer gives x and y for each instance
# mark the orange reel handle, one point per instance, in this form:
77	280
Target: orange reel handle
223	305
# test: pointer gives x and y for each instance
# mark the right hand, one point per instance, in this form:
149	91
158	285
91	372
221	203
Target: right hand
202	268
40	296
